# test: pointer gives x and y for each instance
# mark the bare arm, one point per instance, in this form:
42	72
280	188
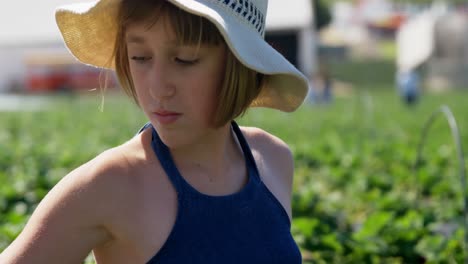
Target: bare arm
66	225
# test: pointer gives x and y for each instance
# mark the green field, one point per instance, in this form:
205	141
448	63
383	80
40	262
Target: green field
356	197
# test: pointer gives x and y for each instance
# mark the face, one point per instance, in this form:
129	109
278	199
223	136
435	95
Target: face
176	85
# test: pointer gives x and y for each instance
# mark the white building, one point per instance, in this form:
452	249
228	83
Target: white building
290	29
435	42
27	28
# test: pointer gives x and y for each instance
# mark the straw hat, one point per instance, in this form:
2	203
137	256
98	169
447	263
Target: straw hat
89	31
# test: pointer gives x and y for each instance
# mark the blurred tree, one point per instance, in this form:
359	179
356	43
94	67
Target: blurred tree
321	14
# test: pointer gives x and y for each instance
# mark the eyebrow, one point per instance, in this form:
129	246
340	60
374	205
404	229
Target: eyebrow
135	39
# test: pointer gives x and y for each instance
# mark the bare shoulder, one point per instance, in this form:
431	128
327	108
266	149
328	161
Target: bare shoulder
268	146
102	178
71	220
274	162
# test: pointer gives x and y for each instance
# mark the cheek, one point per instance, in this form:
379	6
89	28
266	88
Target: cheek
211	95
138	84
201	95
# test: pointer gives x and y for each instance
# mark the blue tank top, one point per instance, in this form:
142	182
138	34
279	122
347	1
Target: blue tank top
249	226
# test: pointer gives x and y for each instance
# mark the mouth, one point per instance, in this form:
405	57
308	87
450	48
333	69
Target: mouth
166	117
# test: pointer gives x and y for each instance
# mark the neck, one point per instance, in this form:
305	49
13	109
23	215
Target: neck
214	154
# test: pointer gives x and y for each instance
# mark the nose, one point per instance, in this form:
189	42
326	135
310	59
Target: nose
162	91
161	86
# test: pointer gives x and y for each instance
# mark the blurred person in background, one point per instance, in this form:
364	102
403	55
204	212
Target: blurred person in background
408	85
324	83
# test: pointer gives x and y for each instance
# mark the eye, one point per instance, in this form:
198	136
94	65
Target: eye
185	62
140	59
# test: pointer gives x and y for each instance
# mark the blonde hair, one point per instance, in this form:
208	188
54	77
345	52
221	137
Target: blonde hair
241	85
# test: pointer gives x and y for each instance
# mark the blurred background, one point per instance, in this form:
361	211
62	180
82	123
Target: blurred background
379	178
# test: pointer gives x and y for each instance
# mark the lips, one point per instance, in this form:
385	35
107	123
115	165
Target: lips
166	117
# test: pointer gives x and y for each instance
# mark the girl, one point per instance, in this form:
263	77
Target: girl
191	187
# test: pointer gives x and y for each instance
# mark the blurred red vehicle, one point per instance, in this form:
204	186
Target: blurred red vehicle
63	73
